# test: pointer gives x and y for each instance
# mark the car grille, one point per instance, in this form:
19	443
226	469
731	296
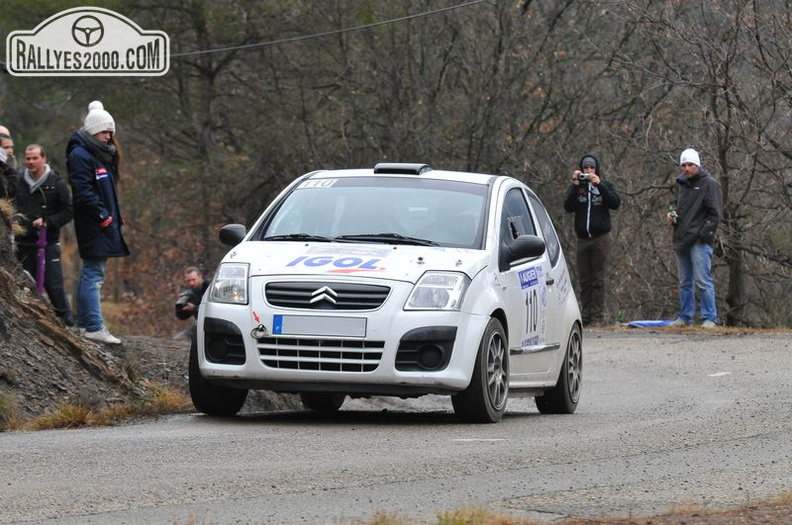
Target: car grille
320	354
326	296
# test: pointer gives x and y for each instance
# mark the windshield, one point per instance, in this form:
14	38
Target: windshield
382	210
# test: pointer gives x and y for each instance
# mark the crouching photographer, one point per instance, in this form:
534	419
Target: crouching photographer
189	300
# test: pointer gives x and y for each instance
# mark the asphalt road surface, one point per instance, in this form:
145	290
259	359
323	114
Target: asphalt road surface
668	421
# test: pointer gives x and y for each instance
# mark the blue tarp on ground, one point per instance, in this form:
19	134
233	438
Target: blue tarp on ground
650	324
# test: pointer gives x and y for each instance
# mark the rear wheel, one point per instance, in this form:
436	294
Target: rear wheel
564	396
325	402
209	398
484	400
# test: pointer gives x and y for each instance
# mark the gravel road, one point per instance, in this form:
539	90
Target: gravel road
669	420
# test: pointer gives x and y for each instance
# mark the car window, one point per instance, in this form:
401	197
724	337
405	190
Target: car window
516	219
546	225
448	213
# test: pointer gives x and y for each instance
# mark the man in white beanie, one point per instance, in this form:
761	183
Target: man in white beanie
699	210
92	162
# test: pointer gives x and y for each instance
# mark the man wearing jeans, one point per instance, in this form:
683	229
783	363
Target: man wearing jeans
92	161
699	209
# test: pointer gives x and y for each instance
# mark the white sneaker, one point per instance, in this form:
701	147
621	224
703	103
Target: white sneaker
103	336
678	322
708	324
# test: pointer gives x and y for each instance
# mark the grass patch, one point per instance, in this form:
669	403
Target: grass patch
473	517
783	499
168	401
455	517
10	418
385	519
158	401
66	415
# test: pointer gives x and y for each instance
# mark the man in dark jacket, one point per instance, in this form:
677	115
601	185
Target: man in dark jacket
189	300
591	198
92	161
699	209
44	206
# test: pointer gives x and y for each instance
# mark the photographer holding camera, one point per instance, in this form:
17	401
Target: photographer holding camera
591	198
190	299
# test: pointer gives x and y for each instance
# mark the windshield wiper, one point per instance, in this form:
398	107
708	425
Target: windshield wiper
387	238
298	237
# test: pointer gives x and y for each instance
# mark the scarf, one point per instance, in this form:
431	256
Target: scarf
34	184
105	152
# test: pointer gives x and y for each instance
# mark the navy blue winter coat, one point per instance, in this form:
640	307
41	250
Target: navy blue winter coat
93	183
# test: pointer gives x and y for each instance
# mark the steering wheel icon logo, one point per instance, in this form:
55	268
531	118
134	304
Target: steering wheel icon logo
87	31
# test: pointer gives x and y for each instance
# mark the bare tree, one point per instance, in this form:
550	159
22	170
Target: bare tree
260	93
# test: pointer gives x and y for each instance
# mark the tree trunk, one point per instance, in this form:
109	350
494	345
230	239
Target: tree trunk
735	296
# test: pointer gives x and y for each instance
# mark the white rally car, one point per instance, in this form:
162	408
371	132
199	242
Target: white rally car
401	281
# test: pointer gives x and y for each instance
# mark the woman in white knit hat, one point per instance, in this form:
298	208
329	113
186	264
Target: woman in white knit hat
92	162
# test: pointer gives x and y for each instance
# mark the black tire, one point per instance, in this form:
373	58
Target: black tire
563	397
325	402
484	400
211	399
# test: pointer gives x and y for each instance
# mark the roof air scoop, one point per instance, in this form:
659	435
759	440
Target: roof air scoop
403	168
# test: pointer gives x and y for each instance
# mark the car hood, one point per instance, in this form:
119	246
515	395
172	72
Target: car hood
376	261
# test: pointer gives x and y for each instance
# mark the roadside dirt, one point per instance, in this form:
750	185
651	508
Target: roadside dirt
770	514
164	361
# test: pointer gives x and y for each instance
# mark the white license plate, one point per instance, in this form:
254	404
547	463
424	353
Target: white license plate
319	325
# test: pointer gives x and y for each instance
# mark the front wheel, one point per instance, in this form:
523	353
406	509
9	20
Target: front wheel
211	399
563	397
484	400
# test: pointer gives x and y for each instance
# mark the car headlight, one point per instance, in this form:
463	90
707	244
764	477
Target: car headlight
230	284
438	291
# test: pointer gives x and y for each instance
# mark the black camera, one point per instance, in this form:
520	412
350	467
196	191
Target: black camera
185	297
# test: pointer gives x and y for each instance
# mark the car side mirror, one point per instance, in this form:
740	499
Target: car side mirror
232	234
523	247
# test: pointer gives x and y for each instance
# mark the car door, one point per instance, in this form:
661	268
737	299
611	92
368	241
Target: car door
557	277
527	294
